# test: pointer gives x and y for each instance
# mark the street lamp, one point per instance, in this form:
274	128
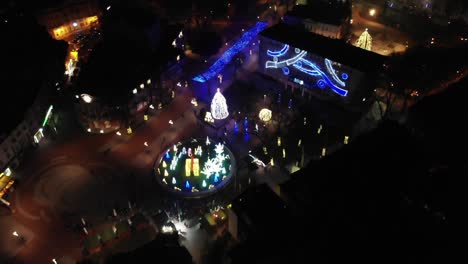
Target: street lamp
15	234
54	261
87	98
372	12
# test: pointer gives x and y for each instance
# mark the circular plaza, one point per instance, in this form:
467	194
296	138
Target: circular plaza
195	167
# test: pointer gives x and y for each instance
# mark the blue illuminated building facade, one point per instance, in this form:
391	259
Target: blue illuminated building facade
327	68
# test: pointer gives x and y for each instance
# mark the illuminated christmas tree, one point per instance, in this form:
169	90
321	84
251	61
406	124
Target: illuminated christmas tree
364	41
219	109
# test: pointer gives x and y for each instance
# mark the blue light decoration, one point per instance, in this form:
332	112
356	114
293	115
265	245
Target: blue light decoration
330	69
246	122
216	178
229	54
168	156
187	184
236	127
278	53
321	84
300	63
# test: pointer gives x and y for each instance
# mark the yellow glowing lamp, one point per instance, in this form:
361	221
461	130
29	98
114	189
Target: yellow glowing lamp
279	141
187	167
284	153
346	138
145	117
196	167
166	173
272	162
164	164
324	152
129	130
265	115
299	143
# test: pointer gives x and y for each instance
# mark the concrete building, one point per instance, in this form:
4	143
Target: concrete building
329	19
71	17
26	127
319	66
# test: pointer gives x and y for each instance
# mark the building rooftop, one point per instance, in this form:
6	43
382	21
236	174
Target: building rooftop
334	49
334	13
260	209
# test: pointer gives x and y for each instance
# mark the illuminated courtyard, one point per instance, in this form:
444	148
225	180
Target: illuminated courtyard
196	167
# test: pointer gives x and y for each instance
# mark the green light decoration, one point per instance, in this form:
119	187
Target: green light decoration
195	166
46	118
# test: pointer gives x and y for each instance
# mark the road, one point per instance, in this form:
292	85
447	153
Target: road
75	178
385	39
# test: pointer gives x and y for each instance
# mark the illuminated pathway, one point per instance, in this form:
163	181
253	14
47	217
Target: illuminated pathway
227	56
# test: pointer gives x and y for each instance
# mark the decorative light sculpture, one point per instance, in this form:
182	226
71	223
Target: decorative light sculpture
236	127
219	109
265	115
87	98
364	41
209	117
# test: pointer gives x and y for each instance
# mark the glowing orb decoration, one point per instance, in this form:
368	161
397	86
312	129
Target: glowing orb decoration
87	98
195	168
265	115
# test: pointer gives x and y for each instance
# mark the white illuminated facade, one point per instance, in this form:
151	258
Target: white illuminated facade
26	133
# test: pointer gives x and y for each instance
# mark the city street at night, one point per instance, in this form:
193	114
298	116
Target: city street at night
203	131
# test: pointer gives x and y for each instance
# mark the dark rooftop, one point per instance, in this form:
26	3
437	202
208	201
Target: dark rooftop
336	50
334	13
261	209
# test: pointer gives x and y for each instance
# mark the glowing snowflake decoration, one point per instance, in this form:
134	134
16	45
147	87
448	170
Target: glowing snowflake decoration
215	165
